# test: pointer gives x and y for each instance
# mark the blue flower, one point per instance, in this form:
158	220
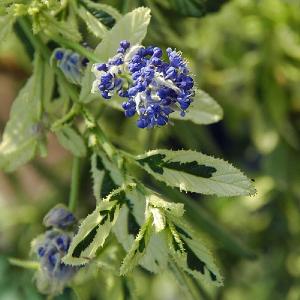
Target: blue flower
153	88
50	248
53	274
71	64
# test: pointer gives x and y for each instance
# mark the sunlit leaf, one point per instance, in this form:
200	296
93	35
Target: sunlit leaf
95	228
196	172
138	248
192	256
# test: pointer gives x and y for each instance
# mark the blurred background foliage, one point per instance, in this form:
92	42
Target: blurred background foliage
246	54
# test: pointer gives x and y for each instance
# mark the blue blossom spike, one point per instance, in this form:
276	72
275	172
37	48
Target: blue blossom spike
153	88
59	217
71	64
50	247
53	274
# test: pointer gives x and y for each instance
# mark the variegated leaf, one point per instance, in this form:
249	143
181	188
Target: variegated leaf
95	228
196	172
138	248
192	256
93	24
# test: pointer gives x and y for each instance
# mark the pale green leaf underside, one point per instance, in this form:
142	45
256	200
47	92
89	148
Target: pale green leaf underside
131	27
217	177
6	24
203	110
20	137
71	141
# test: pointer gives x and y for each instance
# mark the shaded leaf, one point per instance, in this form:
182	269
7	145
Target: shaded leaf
23	131
71	140
93	24
189	8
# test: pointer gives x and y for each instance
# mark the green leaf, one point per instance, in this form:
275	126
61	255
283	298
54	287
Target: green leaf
97	175
127	227
131	27
175	209
189	8
6	24
24	130
95	228
92	23
203	110
192	256
104	7
68	29
71	140
138	247
196	172
157	207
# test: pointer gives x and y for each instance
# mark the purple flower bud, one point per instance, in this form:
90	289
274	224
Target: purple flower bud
59	217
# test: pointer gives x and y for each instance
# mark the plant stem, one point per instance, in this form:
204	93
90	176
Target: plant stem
74	192
101	139
67	117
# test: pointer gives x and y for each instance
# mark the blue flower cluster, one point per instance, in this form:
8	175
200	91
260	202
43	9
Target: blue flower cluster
154	88
71	64
50	248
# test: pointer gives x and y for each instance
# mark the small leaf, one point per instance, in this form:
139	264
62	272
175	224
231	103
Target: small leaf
192	256
138	248
203	110
23	131
92	23
131	27
95	228
71	140
196	172
176	209
6	25
68	29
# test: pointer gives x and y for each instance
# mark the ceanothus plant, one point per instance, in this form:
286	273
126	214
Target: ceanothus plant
145	82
